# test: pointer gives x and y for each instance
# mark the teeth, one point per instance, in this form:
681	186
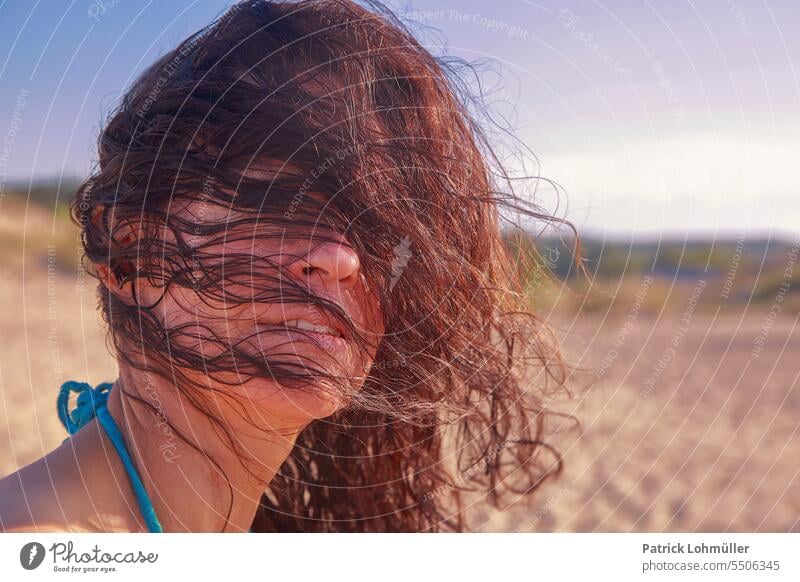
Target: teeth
308	326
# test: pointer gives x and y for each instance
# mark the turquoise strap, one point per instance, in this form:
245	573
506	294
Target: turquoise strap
91	403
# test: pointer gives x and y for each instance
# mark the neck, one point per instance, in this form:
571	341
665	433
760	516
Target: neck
195	478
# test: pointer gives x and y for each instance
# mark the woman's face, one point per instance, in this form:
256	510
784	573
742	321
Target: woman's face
300	335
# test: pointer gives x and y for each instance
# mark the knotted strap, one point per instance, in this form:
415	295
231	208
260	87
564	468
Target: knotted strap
91	403
89	400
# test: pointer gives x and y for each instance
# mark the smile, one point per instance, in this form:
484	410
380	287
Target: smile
305	325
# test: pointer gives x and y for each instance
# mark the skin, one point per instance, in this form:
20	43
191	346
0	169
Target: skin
82	485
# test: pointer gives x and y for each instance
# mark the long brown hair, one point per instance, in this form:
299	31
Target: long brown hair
330	98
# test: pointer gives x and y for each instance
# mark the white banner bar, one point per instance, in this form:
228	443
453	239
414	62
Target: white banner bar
401	557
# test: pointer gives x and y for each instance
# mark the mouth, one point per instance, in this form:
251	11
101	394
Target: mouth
305	325
309	326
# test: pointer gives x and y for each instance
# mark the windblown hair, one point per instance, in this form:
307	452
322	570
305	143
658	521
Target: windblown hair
274	102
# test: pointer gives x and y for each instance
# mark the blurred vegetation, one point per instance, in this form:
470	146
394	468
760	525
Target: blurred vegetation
35	226
609	275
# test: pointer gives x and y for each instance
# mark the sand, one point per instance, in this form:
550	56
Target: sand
712	444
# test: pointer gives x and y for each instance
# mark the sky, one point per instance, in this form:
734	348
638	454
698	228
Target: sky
652	117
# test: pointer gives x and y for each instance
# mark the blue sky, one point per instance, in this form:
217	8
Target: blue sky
654	116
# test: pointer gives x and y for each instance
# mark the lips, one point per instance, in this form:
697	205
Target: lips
310	322
306	325
303	329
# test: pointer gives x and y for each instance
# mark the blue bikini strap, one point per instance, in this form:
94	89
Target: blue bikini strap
91	403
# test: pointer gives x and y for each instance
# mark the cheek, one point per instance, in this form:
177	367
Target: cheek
194	323
373	324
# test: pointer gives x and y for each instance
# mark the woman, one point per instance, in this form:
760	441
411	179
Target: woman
295	226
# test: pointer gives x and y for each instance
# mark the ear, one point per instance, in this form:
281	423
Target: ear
115	281
116	277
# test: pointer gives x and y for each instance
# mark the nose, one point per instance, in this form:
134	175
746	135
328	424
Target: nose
329	263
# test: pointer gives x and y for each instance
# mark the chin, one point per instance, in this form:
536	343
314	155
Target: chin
292	405
318	405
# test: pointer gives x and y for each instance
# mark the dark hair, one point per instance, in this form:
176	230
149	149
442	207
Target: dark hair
274	101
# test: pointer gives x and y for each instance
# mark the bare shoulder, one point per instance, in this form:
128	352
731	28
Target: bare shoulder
40	496
57	493
26	504
42	528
